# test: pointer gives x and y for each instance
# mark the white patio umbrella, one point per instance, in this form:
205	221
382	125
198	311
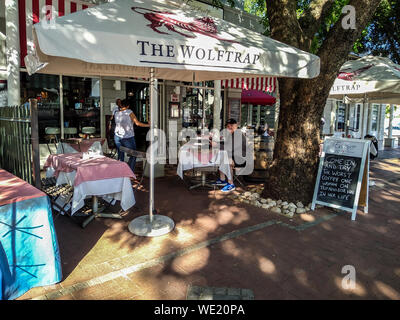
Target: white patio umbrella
369	79
375	78
160	40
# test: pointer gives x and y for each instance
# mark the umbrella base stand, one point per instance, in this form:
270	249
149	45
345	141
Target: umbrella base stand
141	226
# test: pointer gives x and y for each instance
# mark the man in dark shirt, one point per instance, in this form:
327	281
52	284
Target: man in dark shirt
235	144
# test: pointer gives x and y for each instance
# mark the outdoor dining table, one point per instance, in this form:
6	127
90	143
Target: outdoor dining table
29	252
93	176
196	155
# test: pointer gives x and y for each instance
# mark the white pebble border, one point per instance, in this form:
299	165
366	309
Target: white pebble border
288	209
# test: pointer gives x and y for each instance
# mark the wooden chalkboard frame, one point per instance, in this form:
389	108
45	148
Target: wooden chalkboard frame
364	162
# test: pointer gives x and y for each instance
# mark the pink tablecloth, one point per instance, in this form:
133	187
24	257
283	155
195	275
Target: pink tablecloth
204	156
14	189
89	169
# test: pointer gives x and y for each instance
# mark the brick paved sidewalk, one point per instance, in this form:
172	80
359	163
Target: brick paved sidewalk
221	246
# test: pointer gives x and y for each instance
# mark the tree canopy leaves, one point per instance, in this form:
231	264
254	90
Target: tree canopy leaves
380	37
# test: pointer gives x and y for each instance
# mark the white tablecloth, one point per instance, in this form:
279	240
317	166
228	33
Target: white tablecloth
189	159
110	190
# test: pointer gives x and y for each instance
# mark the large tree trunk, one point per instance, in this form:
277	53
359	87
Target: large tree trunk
292	174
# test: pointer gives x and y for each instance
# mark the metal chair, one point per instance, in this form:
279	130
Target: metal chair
237	172
88	131
137	154
111	146
61	197
70	132
52	136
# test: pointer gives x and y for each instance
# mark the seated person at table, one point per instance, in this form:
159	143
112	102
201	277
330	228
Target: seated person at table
266	132
236	154
124	130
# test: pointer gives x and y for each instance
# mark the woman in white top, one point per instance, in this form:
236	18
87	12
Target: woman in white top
124	134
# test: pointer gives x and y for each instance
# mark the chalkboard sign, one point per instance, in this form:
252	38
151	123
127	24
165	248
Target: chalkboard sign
340	173
234	109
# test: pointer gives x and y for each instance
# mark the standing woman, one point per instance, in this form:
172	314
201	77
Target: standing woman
124	131
111	129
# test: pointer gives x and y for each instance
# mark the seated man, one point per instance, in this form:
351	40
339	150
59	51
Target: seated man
236	153
266	130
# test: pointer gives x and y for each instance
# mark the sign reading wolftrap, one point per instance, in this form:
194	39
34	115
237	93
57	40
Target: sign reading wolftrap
341	175
181	43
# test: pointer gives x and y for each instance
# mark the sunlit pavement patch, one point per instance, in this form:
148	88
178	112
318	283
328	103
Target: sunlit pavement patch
153	262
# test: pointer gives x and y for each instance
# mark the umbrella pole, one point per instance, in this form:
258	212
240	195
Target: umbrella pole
153	110
150	225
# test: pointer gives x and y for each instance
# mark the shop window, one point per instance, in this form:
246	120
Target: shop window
354	118
197	107
256	116
138	95
81	100
374	117
340	116
267	116
44	88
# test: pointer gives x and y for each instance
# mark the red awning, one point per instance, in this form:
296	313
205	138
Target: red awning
34	11
258	83
256	97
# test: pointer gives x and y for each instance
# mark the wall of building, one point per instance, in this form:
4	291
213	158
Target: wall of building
110	94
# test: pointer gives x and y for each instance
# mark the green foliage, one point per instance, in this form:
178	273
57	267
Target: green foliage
387	110
331	18
382	36
259	9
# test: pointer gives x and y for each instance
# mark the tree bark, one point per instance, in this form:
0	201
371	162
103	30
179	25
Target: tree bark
293	171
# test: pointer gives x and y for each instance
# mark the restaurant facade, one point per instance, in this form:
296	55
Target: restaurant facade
70	103
362	100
